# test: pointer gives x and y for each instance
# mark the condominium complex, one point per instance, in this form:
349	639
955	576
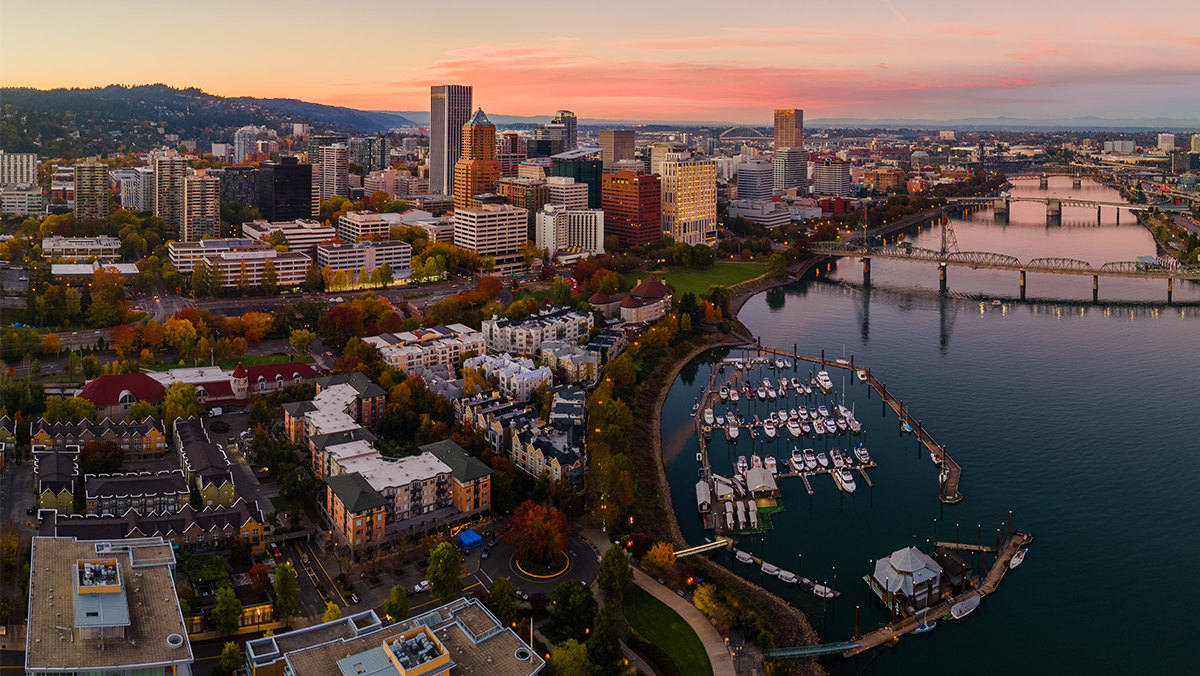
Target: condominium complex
495	230
397	183
689	190
244	142
440	345
104	248
169	171
367	256
287	190
477	170
510	153
18	169
450	108
755	180
789	128
615	145
334	171
201	206
372	152
185	255
525	336
515	377
632	204
302	234
570	234
91	189
22	201
226	268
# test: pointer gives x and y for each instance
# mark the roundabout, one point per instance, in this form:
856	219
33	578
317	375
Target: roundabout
517	569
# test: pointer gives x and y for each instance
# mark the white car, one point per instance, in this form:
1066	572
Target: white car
423	585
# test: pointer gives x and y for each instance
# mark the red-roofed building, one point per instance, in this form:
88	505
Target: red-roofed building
114	395
609	305
216	387
646	302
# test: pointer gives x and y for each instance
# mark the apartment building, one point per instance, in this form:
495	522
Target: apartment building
201	206
689	191
424	348
205	466
525	336
516	377
144	492
145	440
570	234
185	255
302	234
18	169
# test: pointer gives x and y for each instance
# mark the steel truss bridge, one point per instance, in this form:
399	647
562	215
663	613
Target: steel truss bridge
1051	202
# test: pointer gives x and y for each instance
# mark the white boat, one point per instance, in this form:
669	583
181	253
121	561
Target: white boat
997	303
844	480
841	424
772	394
807	391
794	427
848	459
708	416
836	456
779	364
733	395
771	465
943	475
743	557
788	577
822	591
860	451
797	459
862	375
762	393
695	407
796	384
730	417
731	431
1017	559
822	411
963	608
831	427
844	412
741	365
818	427
854	425
805	428
769	428
724	393
823	381
937	459
769	569
843	361
802	413
810	459
755	461
782	415
794	414
766	383
741	464
822	460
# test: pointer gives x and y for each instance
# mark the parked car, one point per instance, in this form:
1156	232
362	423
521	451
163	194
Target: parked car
484	555
493	542
423	585
522	595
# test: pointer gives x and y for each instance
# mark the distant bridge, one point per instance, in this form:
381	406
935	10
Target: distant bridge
1054	205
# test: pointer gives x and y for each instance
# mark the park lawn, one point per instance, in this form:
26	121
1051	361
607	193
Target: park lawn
279	504
724	273
244	360
663	627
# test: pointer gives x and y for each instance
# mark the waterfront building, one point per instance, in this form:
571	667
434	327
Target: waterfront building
646	302
632	205
907	577
689	198
477	170
91	190
450	108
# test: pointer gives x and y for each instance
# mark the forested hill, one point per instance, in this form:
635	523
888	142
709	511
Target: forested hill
359	120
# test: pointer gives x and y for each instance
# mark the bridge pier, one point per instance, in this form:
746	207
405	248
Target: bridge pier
1053	210
1170	285
1099	216
1022	285
942	277
1043	181
1076	182
866	271
1095	288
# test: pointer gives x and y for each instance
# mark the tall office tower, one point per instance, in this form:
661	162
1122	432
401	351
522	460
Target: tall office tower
567	119
831	176
244	142
335	171
144	197
791	169
689	198
372	152
755	180
565	192
551	138
632	203
201	206
449	109
312	148
579	232
1166	142
789	128
91	189
659	151
477	170
584	166
615	145
285	190
239	185
510	152
530	194
18	168
300	129
169	170
495	230
1196	143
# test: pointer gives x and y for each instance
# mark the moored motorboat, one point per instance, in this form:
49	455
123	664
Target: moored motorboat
733	395
937	459
822	591
769	569
862	375
963	608
927	625
843	411
699	457
860	450
797	461
741	365
771	464
762	393
802	412
810	459
841	424
724	393
755	461
822	460
836	457
732	431
707	433
772	394
708	416
824	382
782	415
905	427
743	556
831	427
731	417
769	428
818	427
844	480
794	427
822	411
741	464
854	425
1017	559
766	383
848	459
805	428
796	385
788	577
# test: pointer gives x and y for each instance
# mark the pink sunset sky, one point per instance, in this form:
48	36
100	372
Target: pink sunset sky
698	60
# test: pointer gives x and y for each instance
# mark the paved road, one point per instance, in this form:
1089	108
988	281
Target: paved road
1187	223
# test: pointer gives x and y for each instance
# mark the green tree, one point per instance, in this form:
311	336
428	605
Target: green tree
270	278
445	573
180	401
502	600
604	645
287	592
70	410
614	576
776	266
560	289
232	659
571	659
140	411
202	286
302	340
574	608
312	277
243	283
277	240
332	612
396	607
72	364
386	276
228	611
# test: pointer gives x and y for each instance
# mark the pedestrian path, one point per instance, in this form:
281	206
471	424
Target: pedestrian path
714	644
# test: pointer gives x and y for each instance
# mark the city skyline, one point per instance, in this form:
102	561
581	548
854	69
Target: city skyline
896	58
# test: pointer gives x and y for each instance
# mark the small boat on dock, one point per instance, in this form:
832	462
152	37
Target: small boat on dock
797	461
730	417
741	365
818	427
844	480
770	464
769	569
1017	559
794	427
766	383
783	415
743	556
831	427
817	589
854	425
822	460
963	608
733	395
708	433
788	577
862	375
772	394
844	412
797	386
841	424
927	625
769	428
848	459
906	428
708	416
780	364
996	303
822	411
937	459
762	393
732	431
836	456
802	412
741	465
755	461
695	407
943	475
805	428
699	457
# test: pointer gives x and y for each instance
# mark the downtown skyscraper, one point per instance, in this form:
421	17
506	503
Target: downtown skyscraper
789	128
477	170
449	109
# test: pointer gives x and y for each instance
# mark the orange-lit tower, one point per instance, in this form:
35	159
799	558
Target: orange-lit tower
478	170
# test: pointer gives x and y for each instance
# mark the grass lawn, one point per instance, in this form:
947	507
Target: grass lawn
279	504
245	360
727	273
663	627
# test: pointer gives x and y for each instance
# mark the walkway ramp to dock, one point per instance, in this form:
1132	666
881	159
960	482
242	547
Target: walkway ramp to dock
809	650
720	543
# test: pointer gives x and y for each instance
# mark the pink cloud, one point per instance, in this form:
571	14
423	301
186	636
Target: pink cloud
1037	48
955	29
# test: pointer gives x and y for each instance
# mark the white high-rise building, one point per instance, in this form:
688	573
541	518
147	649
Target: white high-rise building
1166	142
449	109
566	193
831	176
1196	143
495	230
18	169
755	180
244	142
144	196
169	170
201	207
571	234
689	198
335	170
355	225
791	169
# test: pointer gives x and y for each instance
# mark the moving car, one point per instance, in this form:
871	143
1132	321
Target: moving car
423	585
275	550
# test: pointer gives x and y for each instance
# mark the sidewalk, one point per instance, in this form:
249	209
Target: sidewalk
714	644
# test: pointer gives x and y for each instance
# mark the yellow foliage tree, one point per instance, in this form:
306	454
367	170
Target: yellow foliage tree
660	557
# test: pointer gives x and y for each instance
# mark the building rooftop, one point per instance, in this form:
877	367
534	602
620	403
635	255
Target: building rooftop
355	493
79	588
464	467
382	474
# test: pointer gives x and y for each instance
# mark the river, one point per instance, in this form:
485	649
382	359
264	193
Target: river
1080	418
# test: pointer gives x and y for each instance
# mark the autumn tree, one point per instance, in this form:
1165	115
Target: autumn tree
70	410
101	457
243	282
180	401
332	612
776	266
660	557
539	534
51	344
445	573
125	339
140	411
614	576
270	278
109	306
181	335
153	335
710	601
302	340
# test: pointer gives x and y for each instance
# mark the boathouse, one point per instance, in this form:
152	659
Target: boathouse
908	578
